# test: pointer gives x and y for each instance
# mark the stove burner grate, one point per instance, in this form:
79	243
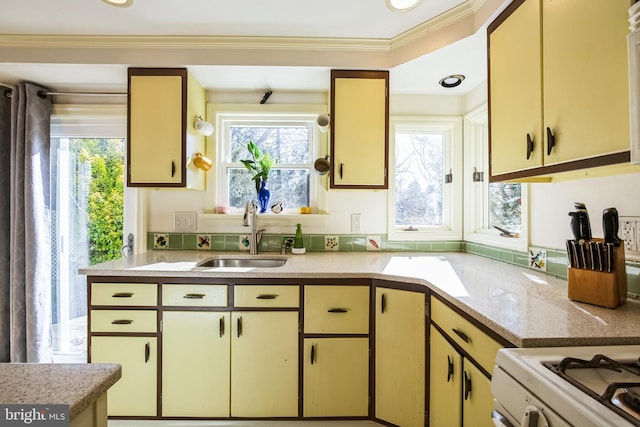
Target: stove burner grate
610	397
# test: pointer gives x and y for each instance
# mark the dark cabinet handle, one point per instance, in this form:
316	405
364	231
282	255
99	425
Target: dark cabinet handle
267	296
313	354
383	303
449	368
551	141
122	295
461	334
341	165
529	146
122	322
337	310
221	326
239	326
467	386
173	169
147	352
193	296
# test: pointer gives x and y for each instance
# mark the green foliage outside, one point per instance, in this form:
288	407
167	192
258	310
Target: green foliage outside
105	201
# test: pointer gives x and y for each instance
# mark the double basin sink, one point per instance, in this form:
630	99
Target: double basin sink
254	261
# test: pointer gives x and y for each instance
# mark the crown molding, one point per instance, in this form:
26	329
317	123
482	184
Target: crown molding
445	19
193	42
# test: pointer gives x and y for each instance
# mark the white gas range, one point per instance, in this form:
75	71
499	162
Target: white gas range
567	386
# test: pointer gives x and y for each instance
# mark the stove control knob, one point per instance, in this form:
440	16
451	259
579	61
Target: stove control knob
533	417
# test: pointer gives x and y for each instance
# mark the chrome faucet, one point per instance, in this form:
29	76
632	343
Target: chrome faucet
251	219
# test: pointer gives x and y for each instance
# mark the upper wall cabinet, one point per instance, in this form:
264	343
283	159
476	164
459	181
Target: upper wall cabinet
558	87
161	140
359	129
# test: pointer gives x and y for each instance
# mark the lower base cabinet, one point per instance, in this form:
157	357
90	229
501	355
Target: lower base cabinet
195	364
460	394
400	357
135	393
264	364
336	377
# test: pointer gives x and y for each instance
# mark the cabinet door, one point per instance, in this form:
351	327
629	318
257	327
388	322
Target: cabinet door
515	91
156	140
586	83
135	394
195	364
445	379
400	357
359	128
477	397
264	364
336	377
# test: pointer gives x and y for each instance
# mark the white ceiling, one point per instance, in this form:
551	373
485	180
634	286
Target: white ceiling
339	22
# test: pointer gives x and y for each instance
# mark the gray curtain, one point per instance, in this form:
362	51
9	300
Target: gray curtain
25	265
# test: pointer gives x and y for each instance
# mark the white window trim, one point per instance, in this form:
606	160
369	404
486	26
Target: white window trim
476	221
214	193
452	229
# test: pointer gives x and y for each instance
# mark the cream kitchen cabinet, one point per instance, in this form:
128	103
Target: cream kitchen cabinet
161	140
123	329
461	356
558	87
400	357
359	129
336	351
195	351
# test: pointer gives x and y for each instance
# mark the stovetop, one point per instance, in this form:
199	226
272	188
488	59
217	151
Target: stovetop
572	380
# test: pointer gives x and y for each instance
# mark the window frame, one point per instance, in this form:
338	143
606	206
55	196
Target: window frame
452	204
476	146
225	114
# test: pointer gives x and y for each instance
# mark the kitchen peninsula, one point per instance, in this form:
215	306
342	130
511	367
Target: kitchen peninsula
81	386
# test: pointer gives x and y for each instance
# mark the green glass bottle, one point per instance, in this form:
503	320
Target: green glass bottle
298	243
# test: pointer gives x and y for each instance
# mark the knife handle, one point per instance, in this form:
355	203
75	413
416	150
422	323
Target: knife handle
570	255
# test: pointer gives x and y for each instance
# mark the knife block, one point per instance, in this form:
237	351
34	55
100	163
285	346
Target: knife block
600	287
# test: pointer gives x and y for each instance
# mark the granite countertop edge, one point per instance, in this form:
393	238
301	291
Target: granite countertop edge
471	271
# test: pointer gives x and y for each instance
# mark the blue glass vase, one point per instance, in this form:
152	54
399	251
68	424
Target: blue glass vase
263	196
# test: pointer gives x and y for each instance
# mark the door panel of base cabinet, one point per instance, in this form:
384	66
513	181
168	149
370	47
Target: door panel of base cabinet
445	379
400	357
195	364
477	399
135	394
264	364
336	377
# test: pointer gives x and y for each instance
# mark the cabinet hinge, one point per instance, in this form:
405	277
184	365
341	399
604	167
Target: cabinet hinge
161	325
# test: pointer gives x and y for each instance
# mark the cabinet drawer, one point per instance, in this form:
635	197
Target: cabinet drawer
476	343
336	309
124	321
266	296
194	295
143	294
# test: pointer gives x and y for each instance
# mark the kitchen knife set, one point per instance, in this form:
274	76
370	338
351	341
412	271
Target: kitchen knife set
588	253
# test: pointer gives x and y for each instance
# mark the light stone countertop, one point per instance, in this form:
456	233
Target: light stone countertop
526	307
75	384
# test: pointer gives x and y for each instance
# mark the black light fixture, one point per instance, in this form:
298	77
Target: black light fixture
266	96
451	81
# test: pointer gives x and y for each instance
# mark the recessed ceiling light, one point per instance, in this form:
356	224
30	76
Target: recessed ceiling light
452	80
119	3
402	5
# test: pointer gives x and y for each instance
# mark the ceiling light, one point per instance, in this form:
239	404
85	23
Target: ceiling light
119	3
452	80
402	5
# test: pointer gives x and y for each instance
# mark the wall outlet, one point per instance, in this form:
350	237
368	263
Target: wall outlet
184	221
355	222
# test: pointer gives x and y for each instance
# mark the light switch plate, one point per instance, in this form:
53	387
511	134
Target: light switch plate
184	221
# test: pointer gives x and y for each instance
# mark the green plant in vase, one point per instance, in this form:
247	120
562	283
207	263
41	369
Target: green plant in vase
259	165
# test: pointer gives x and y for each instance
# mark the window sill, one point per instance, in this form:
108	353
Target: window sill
266	219
494	239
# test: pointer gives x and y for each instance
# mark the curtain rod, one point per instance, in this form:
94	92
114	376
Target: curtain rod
43	93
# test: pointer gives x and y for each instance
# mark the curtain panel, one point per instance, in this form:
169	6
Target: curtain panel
25	268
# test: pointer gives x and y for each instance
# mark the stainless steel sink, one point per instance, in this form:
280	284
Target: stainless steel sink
252	262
